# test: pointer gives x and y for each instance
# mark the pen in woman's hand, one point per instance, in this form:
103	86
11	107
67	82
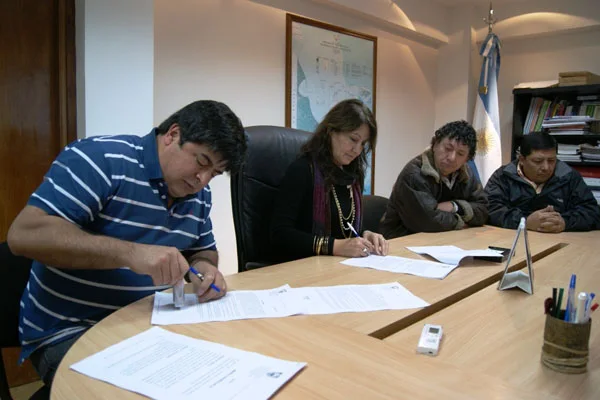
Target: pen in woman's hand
349	225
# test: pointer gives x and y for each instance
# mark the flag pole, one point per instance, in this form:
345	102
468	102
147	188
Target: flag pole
490	20
486	118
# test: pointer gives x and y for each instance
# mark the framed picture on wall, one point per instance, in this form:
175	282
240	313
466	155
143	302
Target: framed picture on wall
326	64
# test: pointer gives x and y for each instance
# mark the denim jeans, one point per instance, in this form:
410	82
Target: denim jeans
46	360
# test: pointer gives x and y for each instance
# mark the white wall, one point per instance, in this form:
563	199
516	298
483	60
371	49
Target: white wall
453	70
234	51
115	64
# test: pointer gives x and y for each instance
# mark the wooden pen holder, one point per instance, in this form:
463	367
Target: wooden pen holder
566	345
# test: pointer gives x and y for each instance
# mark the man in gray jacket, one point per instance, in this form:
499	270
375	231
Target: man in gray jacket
550	194
436	191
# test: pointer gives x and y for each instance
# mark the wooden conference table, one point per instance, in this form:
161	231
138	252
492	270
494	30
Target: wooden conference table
501	333
345	357
463	281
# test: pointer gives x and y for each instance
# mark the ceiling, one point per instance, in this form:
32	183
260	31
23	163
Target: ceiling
478	3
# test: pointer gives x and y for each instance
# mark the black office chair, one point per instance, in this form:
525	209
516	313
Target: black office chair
373	209
14	274
271	149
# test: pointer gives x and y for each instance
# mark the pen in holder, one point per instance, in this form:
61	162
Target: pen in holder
178	294
566	345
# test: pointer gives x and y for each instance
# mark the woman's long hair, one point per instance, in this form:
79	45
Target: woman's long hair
346	116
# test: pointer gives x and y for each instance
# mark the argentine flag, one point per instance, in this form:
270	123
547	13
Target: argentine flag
486	120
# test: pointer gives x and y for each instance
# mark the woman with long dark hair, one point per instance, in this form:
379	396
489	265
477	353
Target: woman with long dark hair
319	205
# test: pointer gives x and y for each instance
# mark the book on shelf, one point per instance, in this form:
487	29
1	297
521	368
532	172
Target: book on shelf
536	84
568	157
564	125
577	78
568	149
589	148
596	194
567	119
589	152
592	182
569	132
544	113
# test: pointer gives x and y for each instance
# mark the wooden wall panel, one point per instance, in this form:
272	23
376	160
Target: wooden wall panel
37	108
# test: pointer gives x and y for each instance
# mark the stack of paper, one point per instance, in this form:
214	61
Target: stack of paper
239	304
423	268
163	365
453	255
285	301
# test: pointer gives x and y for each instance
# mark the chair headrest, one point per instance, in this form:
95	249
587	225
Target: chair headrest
271	149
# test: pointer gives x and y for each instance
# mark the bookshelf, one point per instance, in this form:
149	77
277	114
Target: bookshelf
564	95
562	100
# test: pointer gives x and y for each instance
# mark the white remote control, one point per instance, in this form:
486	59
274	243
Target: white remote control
429	342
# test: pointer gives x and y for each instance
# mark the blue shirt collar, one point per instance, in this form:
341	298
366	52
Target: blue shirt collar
150	156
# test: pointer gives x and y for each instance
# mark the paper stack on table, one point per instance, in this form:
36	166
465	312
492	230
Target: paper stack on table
238	304
453	255
285	301
423	268
163	365
356	298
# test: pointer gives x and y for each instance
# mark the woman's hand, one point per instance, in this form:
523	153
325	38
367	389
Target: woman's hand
354	247
378	242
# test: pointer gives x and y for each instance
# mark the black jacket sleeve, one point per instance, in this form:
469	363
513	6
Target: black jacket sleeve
498	194
583	212
292	205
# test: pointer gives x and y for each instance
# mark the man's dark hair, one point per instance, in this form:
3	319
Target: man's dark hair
537	141
212	124
461	131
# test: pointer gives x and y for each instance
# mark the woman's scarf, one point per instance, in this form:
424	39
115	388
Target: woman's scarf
321	200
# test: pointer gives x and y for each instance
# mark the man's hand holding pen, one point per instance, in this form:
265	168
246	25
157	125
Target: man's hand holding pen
206	279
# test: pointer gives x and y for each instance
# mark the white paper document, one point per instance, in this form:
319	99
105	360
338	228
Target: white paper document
285	301
453	255
423	268
357	298
239	304
163	365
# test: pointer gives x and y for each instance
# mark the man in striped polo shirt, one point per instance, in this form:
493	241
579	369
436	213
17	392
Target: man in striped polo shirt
117	218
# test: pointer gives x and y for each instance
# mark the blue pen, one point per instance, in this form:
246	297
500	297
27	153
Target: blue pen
570	311
349	225
588	305
201	277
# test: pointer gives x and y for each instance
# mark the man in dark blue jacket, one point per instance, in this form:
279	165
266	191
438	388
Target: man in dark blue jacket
550	194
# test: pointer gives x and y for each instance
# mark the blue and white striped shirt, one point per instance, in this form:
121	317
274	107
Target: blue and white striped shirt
113	186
